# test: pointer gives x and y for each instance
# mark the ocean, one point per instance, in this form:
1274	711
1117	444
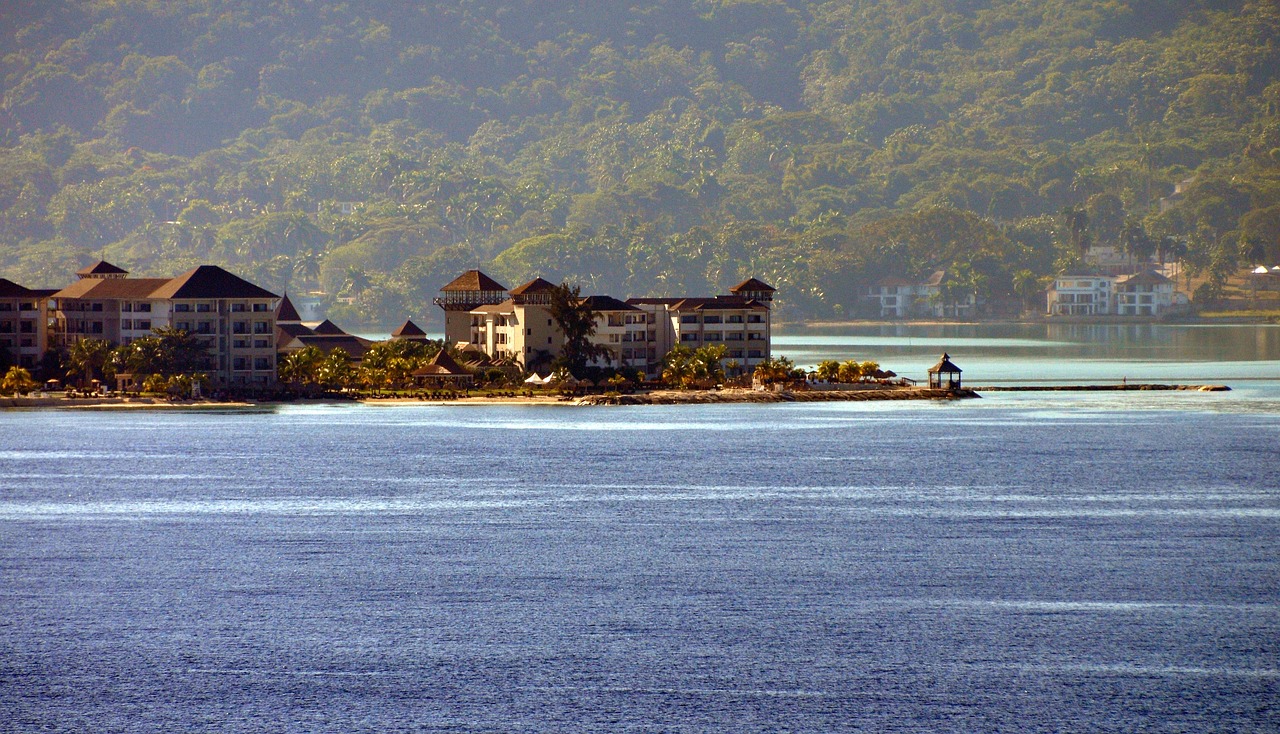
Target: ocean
1022	562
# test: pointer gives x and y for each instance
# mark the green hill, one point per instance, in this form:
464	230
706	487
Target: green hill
374	149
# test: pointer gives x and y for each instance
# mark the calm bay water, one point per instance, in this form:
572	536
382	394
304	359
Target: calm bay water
1024	562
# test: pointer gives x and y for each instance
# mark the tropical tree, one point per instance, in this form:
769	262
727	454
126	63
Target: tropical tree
17	381
301	368
776	369
828	370
850	371
577	323
89	359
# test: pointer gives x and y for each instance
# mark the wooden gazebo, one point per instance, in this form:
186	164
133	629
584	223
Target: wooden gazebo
945	375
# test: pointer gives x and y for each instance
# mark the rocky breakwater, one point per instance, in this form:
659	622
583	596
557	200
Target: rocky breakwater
704	397
1092	388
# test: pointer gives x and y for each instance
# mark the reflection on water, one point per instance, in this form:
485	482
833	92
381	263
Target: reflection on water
995	353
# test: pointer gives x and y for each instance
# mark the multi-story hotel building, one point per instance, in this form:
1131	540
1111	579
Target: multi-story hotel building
636	333
460	296
232	317
24	323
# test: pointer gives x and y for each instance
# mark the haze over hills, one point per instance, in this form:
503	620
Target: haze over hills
373	150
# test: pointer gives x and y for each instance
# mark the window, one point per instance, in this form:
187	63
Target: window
96	307
6	327
735	319
615	319
95	327
126	307
126	324
144	307
262	327
755	336
755	318
735	353
733	336
755	353
548	340
204	327
239	363
240	327
711	319
6	306
183	326
688	337
181	307
614	338
237	308
262	363
711	336
240	343
202	308
691	319
261	343
142	325
548	323
259	307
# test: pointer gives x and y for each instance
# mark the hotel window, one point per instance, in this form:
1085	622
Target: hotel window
736	353
240	343
261	327
237	308
733	336
755	336
204	327
26	342
711	319
262	363
95	327
239	363
142	325
126	307
755	353
126	324
6	306
735	319
261	343
712	336
260	307
755	318
688	337
202	308
183	326
692	319
614	338
181	307
6	327
144	307
240	327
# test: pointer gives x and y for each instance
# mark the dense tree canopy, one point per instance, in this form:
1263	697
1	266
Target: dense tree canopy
653	147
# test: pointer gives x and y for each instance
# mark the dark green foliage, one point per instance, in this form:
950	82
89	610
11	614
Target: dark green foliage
655	147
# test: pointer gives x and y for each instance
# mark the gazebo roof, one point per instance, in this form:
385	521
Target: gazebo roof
945	365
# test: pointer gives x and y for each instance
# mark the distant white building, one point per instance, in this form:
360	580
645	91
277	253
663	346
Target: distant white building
899	298
1143	294
1081	295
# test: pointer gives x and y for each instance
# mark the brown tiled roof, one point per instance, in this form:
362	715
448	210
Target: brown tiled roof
752	284
211	281
719	303
102	267
473	280
441	364
328	328
654	301
289	331
112	288
537	285
1147	277
608	303
507	306
354	346
408	329
285	311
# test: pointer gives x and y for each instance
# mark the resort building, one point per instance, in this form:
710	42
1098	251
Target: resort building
232	317
636	333
900	298
1081	295
463	294
24	323
1143	294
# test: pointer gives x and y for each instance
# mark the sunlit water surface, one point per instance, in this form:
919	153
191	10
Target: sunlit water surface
1023	562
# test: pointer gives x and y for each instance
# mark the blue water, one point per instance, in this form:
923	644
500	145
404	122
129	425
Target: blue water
1025	562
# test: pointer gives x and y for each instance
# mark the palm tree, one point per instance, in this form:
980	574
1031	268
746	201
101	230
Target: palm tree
88	359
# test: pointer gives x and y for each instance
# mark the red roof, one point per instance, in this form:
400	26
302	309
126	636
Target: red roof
473	280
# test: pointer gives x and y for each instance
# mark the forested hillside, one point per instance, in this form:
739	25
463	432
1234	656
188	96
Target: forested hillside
373	148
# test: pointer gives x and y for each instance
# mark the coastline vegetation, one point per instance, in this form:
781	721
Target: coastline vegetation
364	152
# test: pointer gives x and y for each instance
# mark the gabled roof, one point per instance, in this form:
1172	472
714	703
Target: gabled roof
285	311
607	303
1147	277
719	303
441	364
328	328
10	289
752	284
936	278
288	331
537	285
102	267
210	281
111	288
945	365
408	330
473	280
354	346
507	306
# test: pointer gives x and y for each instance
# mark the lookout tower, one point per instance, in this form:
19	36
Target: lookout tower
470	290
945	375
